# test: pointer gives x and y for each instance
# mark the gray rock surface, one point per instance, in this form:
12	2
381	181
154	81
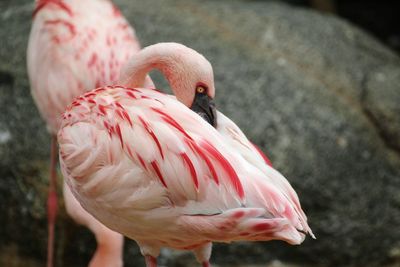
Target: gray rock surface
321	97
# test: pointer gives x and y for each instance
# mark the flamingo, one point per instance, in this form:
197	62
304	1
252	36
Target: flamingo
172	171
74	46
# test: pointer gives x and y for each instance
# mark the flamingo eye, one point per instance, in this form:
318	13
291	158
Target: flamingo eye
200	89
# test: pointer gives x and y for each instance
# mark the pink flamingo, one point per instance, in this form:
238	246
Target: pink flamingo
148	166
74	46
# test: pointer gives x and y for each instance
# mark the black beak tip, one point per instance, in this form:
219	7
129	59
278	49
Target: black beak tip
204	106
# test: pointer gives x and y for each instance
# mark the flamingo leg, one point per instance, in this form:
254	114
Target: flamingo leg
203	254
110	244
150	261
109	249
52	202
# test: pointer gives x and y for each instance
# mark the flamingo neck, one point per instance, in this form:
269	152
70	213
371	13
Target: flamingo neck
165	58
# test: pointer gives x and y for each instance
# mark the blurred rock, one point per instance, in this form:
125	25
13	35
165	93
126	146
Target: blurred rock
382	105
318	95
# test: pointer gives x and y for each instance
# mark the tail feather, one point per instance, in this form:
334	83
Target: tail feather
279	199
242	224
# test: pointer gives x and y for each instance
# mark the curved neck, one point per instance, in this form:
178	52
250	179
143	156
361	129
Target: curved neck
183	68
171	60
150	58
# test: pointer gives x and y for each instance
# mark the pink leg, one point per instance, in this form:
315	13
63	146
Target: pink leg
52	202
109	249
150	261
203	254
110	244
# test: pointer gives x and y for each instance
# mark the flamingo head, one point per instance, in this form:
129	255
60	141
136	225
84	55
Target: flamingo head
189	74
203	104
191	78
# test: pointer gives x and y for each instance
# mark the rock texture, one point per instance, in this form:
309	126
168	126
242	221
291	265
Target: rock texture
321	97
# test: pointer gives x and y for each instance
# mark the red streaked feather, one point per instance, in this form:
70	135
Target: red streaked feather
90	94
119	113
128	149
106	125
130	94
158	172
67	24
266	159
234	178
102	109
142	162
98	90
126	116
191	168
208	162
119	105
118	130
146	126
132	89
42	3
168	119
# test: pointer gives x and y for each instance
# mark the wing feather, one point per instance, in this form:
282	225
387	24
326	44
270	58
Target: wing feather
235	137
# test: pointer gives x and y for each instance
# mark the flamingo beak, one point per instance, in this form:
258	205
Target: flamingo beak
204	106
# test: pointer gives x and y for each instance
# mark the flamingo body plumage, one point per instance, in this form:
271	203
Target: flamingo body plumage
149	167
75	46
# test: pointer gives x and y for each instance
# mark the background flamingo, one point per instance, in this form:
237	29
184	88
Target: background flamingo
147	166
74	46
